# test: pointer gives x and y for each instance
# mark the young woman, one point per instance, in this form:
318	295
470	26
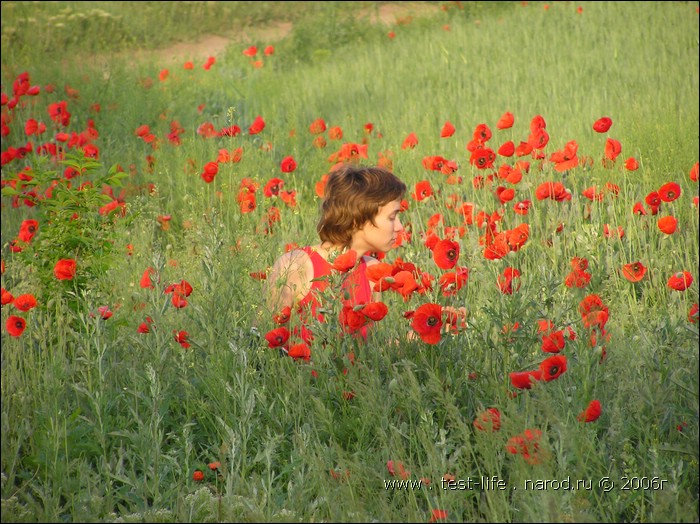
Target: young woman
360	213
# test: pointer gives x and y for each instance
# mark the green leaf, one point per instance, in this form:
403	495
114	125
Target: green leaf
9	191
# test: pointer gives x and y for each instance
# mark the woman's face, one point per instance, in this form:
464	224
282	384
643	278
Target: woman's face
381	235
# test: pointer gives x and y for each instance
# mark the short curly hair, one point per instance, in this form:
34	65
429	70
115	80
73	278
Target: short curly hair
352	197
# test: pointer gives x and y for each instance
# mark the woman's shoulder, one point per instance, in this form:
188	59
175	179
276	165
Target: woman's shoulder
292	259
369	260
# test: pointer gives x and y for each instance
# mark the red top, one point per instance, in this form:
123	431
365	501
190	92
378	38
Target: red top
356	284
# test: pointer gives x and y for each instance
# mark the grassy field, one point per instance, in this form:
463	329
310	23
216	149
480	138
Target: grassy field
139	385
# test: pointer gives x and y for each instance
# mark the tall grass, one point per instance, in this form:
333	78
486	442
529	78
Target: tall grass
103	423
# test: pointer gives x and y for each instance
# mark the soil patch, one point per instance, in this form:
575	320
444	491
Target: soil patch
215	45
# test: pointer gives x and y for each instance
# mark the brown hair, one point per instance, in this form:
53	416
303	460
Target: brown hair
352	197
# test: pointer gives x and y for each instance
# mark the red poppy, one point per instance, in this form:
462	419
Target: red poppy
538	139
497	247
537	122
422	190
378	274
257	126
273	186
638	209
602	125
453	281
210	62
590	194
288	164
523	148
345	261
438	514
447	130
613	148
631	164
482	134
693	173
566	158
427	322
400	470
512	175
523	207
181	337
25	302
680	281
524	379
669	192
505	281
552	190
693	313
182	288
289	197
404	283
506	121
7	297
505	194
246	201
526	444
320	142
578	279
65	269
667	224
283	316
59	114
591	304
210	171
446	253
435	163
277	337
375	310
591	413
608	232
27	230
653	200
15	325
410	141
634	271
553	367
507	149
198	475
351	320
488	420
300	350
144	327
553	342
317	127
320	186
518	236
482	158
146	281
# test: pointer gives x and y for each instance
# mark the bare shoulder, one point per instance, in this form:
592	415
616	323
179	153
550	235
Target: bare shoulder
370	261
289	279
291	261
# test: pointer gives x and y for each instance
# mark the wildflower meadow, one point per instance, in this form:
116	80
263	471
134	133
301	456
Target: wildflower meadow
550	152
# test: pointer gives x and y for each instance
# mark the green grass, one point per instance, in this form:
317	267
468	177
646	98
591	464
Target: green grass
102	423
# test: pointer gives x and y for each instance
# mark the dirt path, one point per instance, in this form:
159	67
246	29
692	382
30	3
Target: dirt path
215	45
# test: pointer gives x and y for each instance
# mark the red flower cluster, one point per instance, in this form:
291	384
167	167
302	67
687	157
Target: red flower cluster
550	369
526	445
578	276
